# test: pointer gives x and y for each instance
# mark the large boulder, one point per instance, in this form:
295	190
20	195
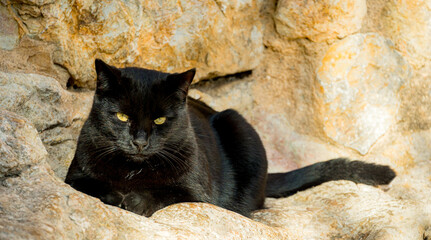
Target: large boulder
57	114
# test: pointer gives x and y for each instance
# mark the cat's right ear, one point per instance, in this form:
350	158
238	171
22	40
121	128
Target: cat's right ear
107	76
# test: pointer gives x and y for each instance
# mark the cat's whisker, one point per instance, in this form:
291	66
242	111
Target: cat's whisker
102	152
178	155
174	148
169	158
97	140
165	158
183	164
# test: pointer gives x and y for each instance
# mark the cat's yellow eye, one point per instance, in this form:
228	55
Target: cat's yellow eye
160	120
123	117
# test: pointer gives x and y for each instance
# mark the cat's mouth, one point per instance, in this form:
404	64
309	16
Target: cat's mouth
140	156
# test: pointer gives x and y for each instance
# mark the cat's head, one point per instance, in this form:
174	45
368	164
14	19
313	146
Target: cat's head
138	111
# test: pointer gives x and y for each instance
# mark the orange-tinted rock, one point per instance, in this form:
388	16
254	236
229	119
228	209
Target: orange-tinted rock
319	20
360	78
216	37
408	25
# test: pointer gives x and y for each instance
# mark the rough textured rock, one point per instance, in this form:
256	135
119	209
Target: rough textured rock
217	37
33	56
360	78
344	210
409	152
9	34
215	223
319	20
408	24
57	114
20	146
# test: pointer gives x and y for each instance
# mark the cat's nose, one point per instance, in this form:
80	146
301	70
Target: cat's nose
140	143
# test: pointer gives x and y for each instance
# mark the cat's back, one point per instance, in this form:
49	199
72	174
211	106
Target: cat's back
201	116
199	109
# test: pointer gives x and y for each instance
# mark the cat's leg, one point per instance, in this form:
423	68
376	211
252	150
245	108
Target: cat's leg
147	201
80	181
246	155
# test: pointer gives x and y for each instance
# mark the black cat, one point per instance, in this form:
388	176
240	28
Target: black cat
147	145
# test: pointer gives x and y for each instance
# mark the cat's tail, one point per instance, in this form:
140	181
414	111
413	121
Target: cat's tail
286	184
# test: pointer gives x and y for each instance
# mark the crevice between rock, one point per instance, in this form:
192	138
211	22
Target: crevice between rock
223	79
14	173
54	126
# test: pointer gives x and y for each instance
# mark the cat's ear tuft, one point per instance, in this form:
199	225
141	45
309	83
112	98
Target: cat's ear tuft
183	80
107	76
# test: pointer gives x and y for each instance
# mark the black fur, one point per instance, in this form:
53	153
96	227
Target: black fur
197	155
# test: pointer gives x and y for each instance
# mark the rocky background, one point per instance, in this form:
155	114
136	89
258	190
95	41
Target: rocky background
317	79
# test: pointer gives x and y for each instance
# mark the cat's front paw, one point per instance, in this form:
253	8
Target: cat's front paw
134	202
112	198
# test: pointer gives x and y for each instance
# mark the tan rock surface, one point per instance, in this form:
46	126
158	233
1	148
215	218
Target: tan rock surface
57	114
319	20
344	210
9	34
408	25
360	78
217	37
33	56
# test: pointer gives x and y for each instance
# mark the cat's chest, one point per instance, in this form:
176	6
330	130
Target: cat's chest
125	176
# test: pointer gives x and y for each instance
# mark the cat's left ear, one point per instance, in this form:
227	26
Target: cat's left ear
107	76
182	81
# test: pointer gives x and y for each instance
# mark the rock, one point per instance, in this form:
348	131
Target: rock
286	148
360	78
44	110
20	146
217	37
344	210
409	153
224	93
9	33
408	25
319	20
212	222
33	56
57	114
